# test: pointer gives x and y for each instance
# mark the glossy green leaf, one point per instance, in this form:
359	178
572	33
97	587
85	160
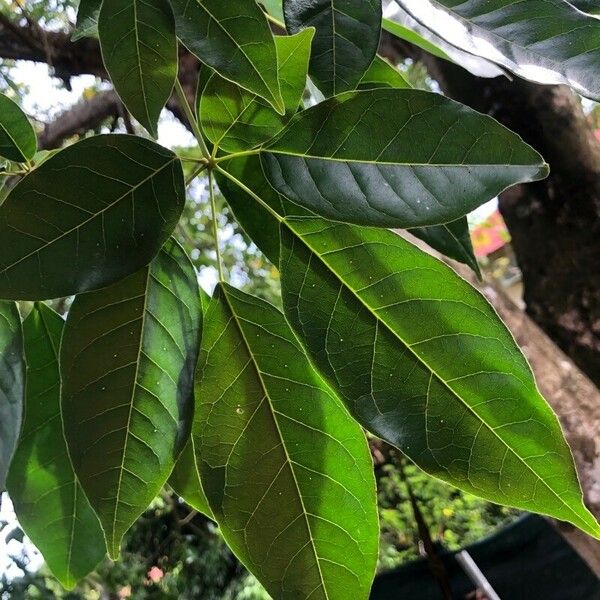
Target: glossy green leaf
287	471
12	384
87	19
346	40
139	49
17	138
452	239
127	359
186	483
234	38
423	361
103	206
235	119
548	41
396	158
382	74
591	7
49	503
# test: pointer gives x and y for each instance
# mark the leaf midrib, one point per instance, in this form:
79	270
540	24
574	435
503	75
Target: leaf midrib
425	364
281	437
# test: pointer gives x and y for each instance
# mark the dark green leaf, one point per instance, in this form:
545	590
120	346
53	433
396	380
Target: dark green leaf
346	40
423	361
396	158
588	6
287	471
17	138
12	384
382	74
103	206
48	501
127	359
87	19
235	119
139	49
452	239
234	38
562	46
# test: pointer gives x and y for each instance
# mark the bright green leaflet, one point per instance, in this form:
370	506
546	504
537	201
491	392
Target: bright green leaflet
382	74
17	138
87	19
396	158
127	359
185	480
234	38
12	384
404	33
288	472
562	47
346	40
423	361
126	201
49	503
234	119
139	49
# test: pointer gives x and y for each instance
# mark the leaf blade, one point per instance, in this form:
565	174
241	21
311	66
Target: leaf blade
48	501
128	356
261	417
142	31
17	137
129	196
87	19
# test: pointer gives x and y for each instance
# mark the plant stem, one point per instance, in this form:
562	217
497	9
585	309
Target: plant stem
214	225
249	192
237	155
189	113
275	21
195	173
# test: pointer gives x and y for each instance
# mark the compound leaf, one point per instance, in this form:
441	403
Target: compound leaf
139	49
396	158
128	357
103	206
287	471
49	503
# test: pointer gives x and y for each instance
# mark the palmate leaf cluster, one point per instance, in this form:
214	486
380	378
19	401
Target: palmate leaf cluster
256	416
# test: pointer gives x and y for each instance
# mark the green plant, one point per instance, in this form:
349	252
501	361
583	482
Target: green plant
374	332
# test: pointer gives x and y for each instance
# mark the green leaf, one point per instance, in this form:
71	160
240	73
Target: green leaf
128	357
562	47
587	6
405	33
346	40
49	503
185	480
17	138
396	158
423	361
103	206
287	471
235	119
12	384
382	74
139	49
452	240
234	38
87	19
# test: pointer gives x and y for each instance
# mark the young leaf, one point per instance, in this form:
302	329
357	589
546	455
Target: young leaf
49	503
382	74
346	40
185	480
87	19
235	119
396	158
561	48
234	38
287	471
103	206
139	49
423	361
12	384
17	138
127	360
